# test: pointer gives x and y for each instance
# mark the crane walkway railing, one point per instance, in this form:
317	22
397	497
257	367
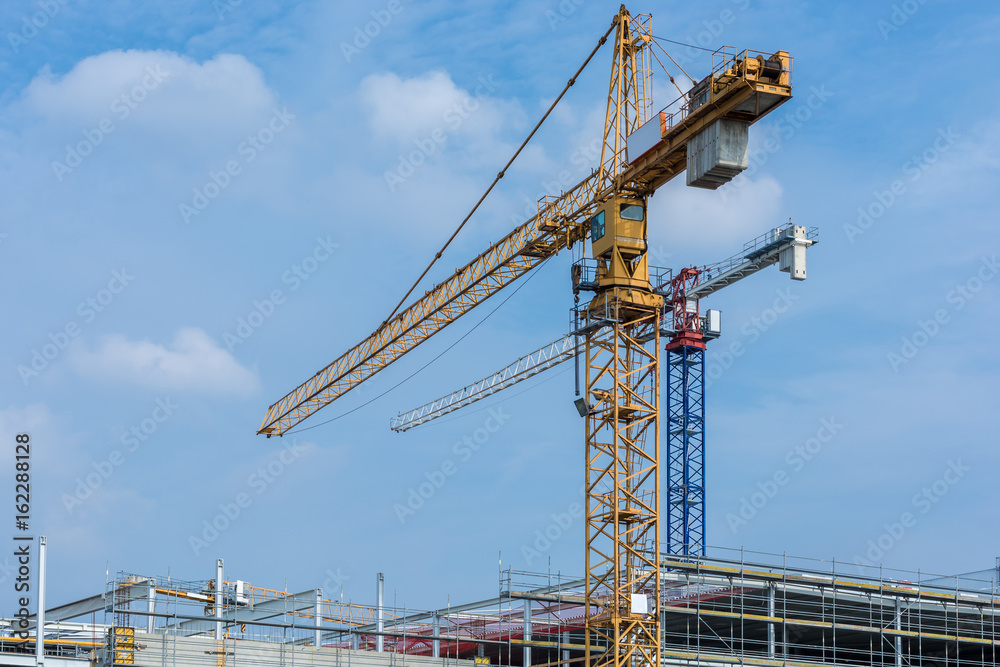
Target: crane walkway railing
757	254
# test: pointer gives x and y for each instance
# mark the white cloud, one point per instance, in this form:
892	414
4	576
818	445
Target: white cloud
400	107
956	159
693	218
21	420
435	138
408	109
225	91
192	362
42	426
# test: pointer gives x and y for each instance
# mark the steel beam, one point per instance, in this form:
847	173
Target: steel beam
40	626
218	597
527	633
300	603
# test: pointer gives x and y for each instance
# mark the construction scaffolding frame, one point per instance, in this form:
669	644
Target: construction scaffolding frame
731	607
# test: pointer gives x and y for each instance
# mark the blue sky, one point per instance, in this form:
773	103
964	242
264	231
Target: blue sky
195	217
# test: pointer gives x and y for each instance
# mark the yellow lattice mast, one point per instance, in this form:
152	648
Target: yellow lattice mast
622	381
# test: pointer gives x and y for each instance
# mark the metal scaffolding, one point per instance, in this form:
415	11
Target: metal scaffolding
728	608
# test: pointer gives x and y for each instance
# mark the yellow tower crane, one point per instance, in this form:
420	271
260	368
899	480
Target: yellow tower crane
705	135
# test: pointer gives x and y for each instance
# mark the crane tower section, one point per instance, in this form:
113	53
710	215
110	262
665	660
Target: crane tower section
685	421
621	325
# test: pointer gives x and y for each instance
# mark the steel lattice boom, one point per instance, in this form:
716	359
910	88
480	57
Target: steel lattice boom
526	367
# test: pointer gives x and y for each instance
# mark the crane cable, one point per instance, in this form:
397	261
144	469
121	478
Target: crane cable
690	46
669	75
569	84
667	53
443	352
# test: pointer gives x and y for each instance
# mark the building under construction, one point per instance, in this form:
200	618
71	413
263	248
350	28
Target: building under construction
733	608
639	603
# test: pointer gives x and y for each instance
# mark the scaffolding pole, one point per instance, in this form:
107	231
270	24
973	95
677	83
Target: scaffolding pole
40	627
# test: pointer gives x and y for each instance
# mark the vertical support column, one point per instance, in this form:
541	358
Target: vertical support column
527	632
436	630
686	451
770	625
380	612
318	615
40	617
622	486
899	626
565	641
150	607
218	598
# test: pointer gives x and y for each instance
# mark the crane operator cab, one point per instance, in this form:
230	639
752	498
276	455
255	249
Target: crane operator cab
618	243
